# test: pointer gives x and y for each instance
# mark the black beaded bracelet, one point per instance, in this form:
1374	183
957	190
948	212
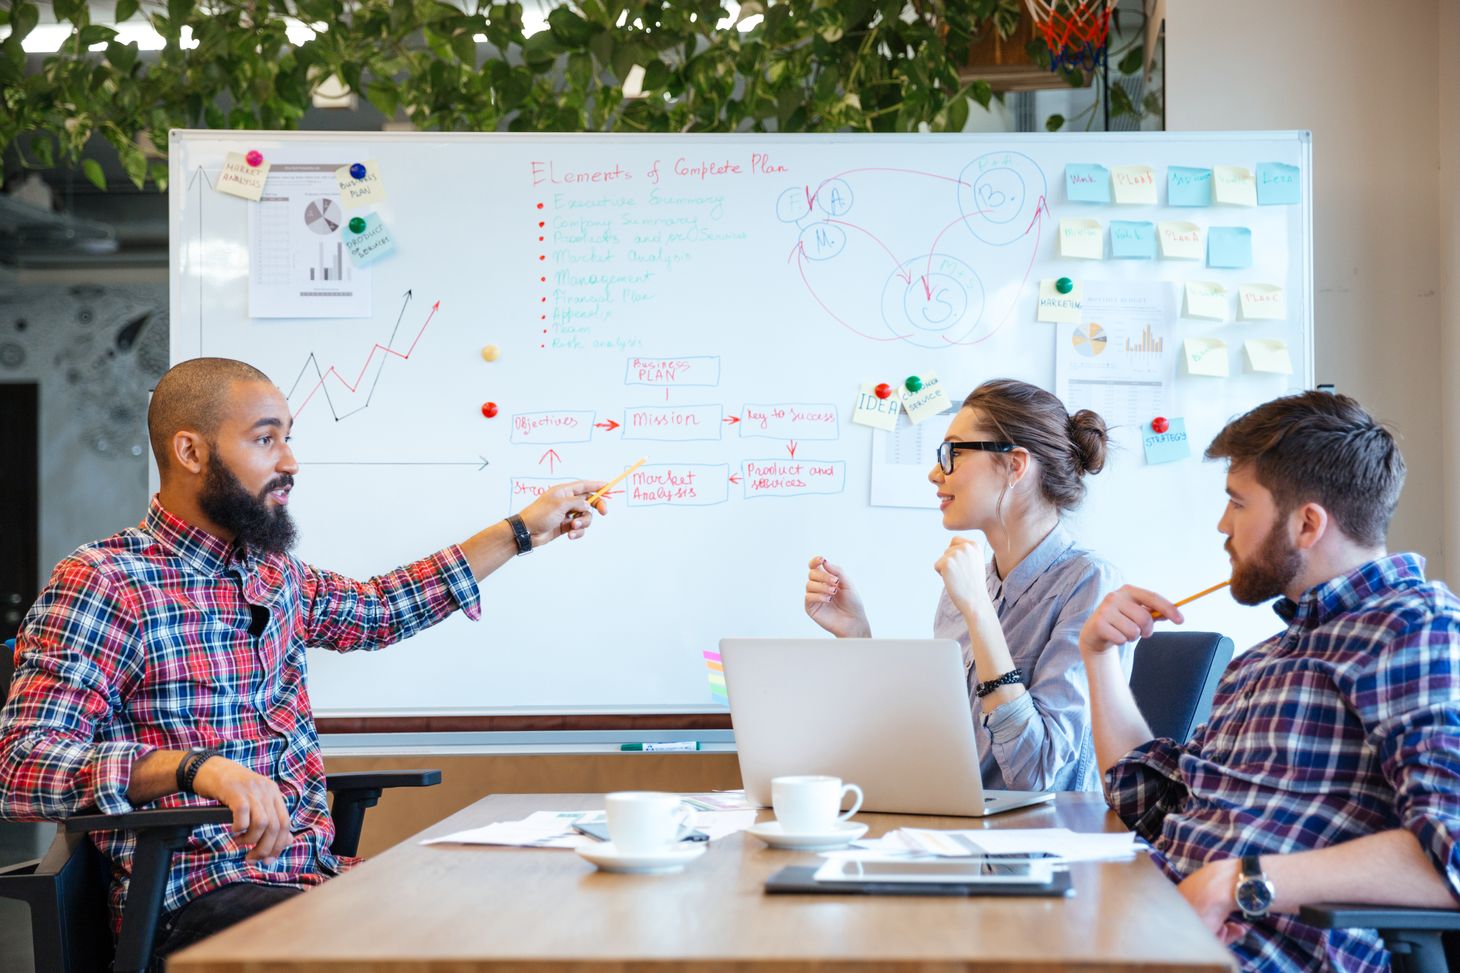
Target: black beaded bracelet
188	767
1007	679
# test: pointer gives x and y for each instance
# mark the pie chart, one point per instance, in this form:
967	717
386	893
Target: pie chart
323	216
1090	340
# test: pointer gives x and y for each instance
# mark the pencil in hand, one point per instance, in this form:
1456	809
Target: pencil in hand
1200	594
596	495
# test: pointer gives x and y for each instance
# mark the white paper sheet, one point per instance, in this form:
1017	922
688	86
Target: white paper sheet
1120	359
901	460
297	264
554	829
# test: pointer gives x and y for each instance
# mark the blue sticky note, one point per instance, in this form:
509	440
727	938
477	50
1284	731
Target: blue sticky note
1132	240
371	243
1277	184
1168	446
1229	246
1186	186
1087	182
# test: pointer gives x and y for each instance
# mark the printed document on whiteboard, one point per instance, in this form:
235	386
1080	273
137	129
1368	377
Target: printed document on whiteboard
901	459
1119	360
298	264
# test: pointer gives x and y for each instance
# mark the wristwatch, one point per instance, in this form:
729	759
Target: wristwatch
521	534
1254	891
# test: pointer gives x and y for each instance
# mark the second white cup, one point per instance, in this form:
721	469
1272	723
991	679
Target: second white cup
645	822
809	805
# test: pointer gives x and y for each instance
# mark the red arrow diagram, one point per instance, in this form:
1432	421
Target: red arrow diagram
732	420
1036	226
552	457
734	477
610	425
792	448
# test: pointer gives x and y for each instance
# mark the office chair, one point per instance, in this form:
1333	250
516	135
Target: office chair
67	888
1418	940
1174	677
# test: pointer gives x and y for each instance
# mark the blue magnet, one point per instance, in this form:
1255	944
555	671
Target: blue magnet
357	171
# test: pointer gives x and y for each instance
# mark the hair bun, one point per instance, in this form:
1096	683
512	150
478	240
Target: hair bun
1089	437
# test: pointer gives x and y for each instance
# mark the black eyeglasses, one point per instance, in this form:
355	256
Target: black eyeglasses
946	450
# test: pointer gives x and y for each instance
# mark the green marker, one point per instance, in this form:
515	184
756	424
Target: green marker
678	746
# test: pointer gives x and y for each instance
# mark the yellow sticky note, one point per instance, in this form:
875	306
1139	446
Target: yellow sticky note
366	190
1134	185
1262	302
1058	308
928	401
1181	240
1206	356
875	412
1234	185
1268	355
241	179
1082	238
1206	299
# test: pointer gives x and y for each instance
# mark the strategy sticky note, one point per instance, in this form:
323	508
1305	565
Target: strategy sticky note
1206	299
1132	240
716	671
1186	186
1205	356
1082	238
1277	184
370	243
1168	446
1086	182
241	179
1057	308
875	412
1134	185
1180	240
1234	185
1229	247
1262	302
368	190
1268	355
928	401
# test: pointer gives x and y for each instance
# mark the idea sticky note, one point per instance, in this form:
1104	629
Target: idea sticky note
875	411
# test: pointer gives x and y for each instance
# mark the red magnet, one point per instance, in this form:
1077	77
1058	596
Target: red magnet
254	158
489	409
884	391
1159	424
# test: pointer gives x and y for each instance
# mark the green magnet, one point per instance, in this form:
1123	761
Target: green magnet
1064	285
357	224
913	384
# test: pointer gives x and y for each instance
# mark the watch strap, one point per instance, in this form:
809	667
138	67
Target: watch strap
520	534
1252	867
189	765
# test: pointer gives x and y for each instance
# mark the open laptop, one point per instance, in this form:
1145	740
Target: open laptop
890	715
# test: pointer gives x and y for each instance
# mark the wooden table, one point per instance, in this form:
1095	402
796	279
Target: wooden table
463	908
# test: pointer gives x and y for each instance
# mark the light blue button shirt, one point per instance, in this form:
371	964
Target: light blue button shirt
1040	741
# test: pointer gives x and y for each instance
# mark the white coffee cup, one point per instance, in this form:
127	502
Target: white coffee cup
809	805
645	822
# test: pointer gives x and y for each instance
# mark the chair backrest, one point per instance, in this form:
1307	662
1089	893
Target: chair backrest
1174	677
7	669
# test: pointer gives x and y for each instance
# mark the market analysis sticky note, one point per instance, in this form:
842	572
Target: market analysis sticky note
1181	240
241	179
1206	299
1087	182
1268	355
1205	356
1057	308
1082	238
1262	302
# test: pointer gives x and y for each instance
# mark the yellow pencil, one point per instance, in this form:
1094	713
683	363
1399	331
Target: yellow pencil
1200	594
594	497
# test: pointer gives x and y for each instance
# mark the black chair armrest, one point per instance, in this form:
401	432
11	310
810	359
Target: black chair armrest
357	790
381	779
161	817
1331	915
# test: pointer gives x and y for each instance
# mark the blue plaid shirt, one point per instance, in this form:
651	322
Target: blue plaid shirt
1344	725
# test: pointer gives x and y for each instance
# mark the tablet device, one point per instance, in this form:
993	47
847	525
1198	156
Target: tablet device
599	830
800	880
956	871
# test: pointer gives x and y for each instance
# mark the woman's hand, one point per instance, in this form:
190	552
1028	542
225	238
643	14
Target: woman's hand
963	571
833	603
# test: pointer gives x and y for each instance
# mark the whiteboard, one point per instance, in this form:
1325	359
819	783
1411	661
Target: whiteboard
712	303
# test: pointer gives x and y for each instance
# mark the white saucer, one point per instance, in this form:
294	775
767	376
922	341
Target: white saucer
773	834
672	859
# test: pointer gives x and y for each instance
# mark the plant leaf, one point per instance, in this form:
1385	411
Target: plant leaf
92	170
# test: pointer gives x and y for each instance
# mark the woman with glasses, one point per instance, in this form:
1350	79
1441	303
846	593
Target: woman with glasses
1013	461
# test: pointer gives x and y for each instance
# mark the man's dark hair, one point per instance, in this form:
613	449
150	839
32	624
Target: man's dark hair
1317	447
192	396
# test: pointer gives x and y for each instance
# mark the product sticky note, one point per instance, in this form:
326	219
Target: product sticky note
1057	308
1229	247
1262	302
371	243
1268	355
1205	356
1277	184
875	412
1086	182
1168	446
365	191
1132	240
1181	240
1206	299
1134	185
1082	238
241	179
1234	185
1186	186
929	401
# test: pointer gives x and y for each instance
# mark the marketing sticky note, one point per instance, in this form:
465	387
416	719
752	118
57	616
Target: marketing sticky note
1132	240
875	412
1234	186
1180	240
1268	355
1168	446
1229	247
1205	356
1187	186
1277	184
1082	238
1086	182
1134	185
1206	299
926	402
241	179
367	190
370	243
1262	302
1060	308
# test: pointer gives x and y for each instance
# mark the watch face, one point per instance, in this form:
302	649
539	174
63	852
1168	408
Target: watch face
1254	896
